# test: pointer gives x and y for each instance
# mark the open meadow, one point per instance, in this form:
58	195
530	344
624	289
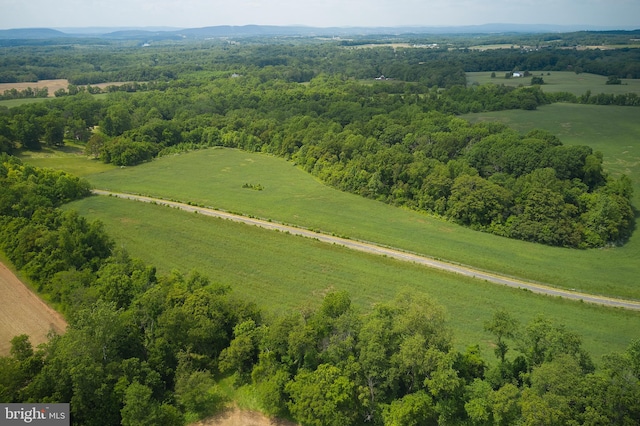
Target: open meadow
70	158
216	178
559	81
279	271
259	264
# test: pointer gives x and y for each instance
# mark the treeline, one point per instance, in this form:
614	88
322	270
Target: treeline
384	141
49	123
619	62
144	349
24	93
35	234
383	145
299	61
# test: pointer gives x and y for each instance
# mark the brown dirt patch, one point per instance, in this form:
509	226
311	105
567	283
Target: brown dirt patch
237	417
23	312
52	85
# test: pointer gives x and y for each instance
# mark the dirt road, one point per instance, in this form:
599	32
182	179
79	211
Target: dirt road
236	417
23	312
391	252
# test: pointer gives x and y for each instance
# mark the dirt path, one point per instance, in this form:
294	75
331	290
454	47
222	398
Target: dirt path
391	252
23	312
236	417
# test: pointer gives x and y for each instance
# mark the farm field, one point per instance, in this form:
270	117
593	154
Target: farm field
280	271
215	178
37	319
52	85
560	81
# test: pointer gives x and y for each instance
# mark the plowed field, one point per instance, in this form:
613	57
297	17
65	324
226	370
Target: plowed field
23	312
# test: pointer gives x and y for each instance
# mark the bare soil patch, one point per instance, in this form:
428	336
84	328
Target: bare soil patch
23	312
52	85
237	417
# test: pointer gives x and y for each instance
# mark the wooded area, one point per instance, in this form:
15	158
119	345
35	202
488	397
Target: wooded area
142	348
147	349
393	141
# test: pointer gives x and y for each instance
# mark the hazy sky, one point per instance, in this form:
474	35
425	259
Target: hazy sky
320	13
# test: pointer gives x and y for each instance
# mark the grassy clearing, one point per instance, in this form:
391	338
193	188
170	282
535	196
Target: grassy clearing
216	177
279	271
560	81
10	103
70	158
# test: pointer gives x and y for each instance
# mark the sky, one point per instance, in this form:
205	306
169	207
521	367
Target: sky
317	13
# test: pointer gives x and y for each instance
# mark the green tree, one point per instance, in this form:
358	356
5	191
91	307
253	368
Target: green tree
198	393
53	129
554	396
414	409
546	218
613	79
477	202
503	326
140	409
27	131
537	81
116	121
242	352
323	397
543	340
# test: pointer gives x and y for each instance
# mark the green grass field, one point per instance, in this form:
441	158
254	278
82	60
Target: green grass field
10	103
69	158
215	178
279	271
560	81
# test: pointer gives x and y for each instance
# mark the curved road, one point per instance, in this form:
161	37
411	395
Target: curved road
389	252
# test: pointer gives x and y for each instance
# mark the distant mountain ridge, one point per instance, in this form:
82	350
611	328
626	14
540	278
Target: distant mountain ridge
158	33
31	33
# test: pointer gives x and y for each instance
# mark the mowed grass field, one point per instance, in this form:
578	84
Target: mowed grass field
280	271
70	158
215	178
560	81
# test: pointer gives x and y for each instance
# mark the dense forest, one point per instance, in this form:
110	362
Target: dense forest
148	349
144	349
